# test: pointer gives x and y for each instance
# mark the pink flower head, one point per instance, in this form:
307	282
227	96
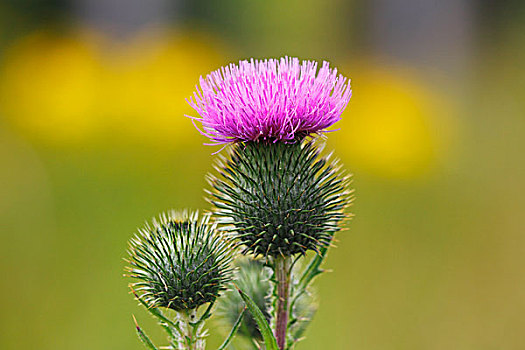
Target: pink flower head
273	100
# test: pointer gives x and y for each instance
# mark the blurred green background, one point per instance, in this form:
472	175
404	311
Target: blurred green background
93	142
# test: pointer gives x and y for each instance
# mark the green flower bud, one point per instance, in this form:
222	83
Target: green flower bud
279	199
179	261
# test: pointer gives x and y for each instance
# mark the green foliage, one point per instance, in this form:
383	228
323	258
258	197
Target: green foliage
144	337
279	199
234	330
268	338
303	304
253	278
180	262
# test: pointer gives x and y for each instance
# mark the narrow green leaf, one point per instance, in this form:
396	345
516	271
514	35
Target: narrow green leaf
313	269
233	331
204	316
160	316
143	337
268	337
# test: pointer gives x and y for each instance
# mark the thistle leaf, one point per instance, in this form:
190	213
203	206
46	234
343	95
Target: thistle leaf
165	322
268	337
233	331
313	269
205	315
143	337
253	278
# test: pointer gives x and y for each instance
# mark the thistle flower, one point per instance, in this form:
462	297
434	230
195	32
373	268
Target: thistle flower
272	100
279	199
180	262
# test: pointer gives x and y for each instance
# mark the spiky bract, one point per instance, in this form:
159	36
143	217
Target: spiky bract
180	262
272	99
279	199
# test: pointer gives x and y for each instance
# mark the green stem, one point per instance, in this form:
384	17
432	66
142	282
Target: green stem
282	278
192	337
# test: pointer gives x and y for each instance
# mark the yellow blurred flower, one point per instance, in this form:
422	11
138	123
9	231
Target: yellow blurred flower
49	86
393	126
148	83
71	88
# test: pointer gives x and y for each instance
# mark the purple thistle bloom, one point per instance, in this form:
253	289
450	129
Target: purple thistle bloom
273	100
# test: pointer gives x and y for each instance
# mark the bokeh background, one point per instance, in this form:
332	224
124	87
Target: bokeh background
93	142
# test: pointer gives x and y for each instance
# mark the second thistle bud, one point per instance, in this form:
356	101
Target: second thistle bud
179	262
